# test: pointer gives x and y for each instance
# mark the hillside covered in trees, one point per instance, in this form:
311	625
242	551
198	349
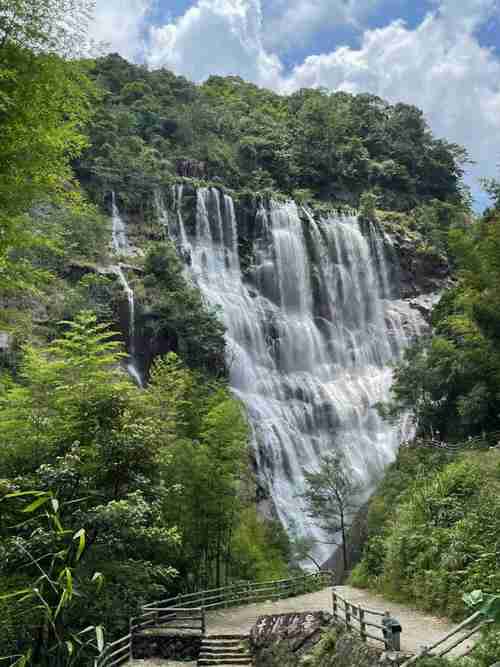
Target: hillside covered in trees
112	495
153	126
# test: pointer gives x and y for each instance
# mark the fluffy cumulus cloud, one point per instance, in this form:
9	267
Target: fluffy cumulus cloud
292	22
439	67
216	37
121	26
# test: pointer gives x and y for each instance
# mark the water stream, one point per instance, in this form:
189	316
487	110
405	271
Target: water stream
122	247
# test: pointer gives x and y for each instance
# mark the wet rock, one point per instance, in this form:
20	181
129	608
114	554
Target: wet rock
425	303
6	342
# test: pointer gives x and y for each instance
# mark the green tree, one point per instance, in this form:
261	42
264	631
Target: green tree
330	497
45	102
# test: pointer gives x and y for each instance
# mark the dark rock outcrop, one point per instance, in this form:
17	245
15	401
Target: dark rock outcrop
294	633
191	168
422	270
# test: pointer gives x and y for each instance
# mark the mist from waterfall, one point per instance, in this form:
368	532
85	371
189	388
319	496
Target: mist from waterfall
311	336
122	247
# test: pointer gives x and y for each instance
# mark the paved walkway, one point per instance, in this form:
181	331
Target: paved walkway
418	628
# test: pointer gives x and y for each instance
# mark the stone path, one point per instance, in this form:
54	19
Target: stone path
418	628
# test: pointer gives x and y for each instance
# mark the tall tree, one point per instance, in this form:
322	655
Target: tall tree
330	497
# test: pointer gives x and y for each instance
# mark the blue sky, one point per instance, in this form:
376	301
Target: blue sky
442	55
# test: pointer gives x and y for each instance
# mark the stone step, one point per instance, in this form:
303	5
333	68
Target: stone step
224	654
233	662
222	642
217	650
225	637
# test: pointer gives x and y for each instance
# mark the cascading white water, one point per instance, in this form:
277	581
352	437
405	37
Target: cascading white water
311	336
121	247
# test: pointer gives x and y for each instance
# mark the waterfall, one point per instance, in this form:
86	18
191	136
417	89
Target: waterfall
312	331
121	247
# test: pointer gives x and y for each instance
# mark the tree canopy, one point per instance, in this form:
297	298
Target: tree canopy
45	103
334	145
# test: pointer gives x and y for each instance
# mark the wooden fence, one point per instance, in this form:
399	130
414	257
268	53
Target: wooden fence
368	623
458	636
244	593
487	440
187	611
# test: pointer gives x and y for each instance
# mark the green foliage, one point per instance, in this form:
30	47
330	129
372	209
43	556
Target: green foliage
492	187
53	569
438	531
488	605
35	148
181	319
45	101
222	538
157	479
367	205
260	548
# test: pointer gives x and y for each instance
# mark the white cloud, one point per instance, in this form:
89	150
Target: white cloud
439	66
216	37
292	23
121	25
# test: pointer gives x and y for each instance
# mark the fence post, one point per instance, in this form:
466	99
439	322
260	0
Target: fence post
362	624
335	607
347	615
203	622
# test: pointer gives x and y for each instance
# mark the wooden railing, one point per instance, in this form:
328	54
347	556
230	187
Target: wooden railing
173	618
368	623
244	593
116	653
487	440
187	611
459	635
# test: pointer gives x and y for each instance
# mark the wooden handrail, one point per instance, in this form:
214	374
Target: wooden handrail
426	651
455	447
355	615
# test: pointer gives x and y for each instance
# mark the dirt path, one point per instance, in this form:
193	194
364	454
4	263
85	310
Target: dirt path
418	628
